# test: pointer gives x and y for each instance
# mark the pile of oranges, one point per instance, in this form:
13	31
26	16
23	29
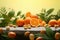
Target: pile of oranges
32	20
54	22
35	21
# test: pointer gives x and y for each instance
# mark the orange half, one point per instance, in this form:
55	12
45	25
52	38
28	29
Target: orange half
34	22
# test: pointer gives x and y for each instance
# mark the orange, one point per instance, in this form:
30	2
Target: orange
40	20
20	22
39	38
34	22
34	16
52	22
11	34
57	35
58	22
27	33
1	30
42	23
27	20
28	14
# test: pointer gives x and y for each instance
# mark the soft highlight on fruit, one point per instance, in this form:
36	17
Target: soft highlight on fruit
11	34
52	22
20	22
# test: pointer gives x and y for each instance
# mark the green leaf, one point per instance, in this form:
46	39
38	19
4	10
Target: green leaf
42	16
51	17
4	16
45	37
11	13
22	16
57	17
38	14
14	21
49	11
58	13
5	21
49	32
19	12
0	15
3	10
43	10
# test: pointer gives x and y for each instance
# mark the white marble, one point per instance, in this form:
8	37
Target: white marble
32	29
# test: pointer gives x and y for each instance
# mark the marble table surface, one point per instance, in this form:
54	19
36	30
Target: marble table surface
32	29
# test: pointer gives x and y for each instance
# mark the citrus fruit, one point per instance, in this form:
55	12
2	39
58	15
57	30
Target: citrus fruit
34	22
39	38
27	33
27	20
40	20
57	35
42	23
52	22
58	22
34	16
20	22
11	34
28	14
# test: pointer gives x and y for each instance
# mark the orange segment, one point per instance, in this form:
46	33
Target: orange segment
28	14
34	22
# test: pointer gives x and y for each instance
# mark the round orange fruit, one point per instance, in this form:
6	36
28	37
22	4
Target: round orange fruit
42	23
40	20
34	22
52	22
28	14
27	33
20	22
58	22
39	38
11	34
27	20
57	35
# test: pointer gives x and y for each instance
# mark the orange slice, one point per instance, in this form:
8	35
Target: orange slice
34	22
